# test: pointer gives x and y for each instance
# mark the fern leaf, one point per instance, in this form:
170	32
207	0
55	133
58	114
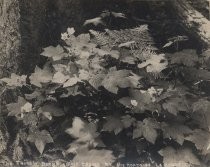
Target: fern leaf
100	37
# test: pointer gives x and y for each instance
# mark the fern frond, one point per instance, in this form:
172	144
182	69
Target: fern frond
100	38
140	35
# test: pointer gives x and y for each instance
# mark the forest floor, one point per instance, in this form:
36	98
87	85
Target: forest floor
135	96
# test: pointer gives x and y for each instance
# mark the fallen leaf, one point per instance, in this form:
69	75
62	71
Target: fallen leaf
118	15
41	76
134	103
113	53
30	119
118	79
70	31
56	53
80	47
15	109
96	80
67	35
95	21
71	82
60	67
72	91
168	44
84	75
15	80
26	108
48	115
155	64
108	13
59	78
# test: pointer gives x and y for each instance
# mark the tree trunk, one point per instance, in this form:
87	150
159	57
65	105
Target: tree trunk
192	20
9	35
21	25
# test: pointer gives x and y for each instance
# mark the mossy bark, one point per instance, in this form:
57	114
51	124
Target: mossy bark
9	35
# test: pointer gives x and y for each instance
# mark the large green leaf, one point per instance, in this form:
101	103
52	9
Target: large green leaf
82	130
40	139
155	64
113	124
15	109
56	53
176	132
15	80
176	104
116	79
41	76
201	112
86	136
147	129
139	101
201	139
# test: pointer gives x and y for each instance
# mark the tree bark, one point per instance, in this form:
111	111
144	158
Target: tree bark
192	20
9	35
22	23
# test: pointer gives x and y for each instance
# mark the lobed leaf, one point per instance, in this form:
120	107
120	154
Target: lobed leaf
41	76
15	80
15	109
40	139
155	64
56	53
147	129
176	104
201	139
175	131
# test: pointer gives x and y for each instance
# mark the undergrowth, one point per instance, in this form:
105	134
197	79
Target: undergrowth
110	97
